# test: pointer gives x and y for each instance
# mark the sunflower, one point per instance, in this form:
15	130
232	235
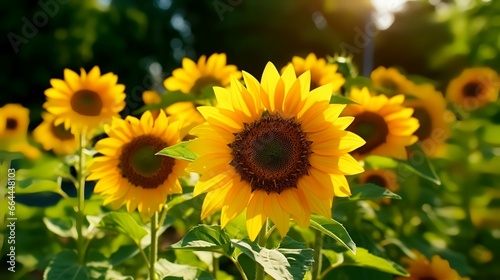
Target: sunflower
193	78
437	269
382	178
321	72
429	107
274	148
14	121
151	97
129	172
391	81
83	103
383	122
180	111
474	88
55	137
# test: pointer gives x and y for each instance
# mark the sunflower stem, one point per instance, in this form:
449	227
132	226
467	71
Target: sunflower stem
260	274
153	249
238	266
215	265
80	217
318	257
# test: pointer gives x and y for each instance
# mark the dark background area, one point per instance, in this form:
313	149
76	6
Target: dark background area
143	41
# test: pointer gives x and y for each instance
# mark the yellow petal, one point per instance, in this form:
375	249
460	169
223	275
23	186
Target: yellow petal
255	214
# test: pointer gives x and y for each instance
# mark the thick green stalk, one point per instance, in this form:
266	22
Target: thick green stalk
80	217
260	274
153	248
318	257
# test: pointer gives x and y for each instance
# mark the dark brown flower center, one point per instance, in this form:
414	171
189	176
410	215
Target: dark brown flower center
472	89
11	124
372	128
87	103
202	83
427	278
271	153
424	131
377	180
140	165
61	133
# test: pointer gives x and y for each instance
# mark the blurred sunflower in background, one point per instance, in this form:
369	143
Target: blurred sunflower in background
382	178
194	77
474	88
180	111
274	148
437	268
429	107
129	172
391	82
322	73
55	137
83	103
14	121
384	123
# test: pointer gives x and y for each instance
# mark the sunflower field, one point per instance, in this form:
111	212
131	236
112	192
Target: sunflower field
233	139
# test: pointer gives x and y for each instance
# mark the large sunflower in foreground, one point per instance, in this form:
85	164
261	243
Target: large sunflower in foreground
55	137
83	103
435	269
274	148
194	77
129	172
14	121
322	73
385	125
391	81
474	88
429	107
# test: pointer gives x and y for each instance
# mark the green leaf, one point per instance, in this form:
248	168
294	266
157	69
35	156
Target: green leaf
41	186
367	192
299	257
125	252
333	257
358	82
65	266
205	238
9	156
339	99
60	227
178	199
275	264
179	151
363	258
123	223
420	164
168	270
490	134
167	99
46	167
333	229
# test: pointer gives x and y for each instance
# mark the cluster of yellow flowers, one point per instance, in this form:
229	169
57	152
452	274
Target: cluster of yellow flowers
276	148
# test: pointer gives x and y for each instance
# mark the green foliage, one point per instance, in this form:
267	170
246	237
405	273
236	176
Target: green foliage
334	230
170	271
179	151
65	266
367	191
123	223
